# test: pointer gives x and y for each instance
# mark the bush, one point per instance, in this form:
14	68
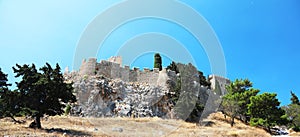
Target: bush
67	109
296	128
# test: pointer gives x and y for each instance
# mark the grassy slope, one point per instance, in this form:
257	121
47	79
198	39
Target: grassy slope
74	126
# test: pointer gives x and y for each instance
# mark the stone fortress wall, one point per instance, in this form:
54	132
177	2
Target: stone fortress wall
219	81
112	68
136	97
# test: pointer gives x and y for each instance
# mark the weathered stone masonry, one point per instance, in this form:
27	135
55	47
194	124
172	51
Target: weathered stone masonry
114	70
125	91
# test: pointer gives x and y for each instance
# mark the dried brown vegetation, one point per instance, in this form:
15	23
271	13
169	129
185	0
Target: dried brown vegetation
216	126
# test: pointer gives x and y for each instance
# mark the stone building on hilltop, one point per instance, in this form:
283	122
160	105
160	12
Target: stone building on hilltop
112	68
218	82
107	88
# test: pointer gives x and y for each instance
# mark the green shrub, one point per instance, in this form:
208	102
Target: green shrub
67	109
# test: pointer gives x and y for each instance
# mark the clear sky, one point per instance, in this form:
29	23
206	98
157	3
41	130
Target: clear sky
260	38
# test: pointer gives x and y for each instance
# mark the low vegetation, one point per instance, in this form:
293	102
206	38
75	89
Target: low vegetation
262	110
215	126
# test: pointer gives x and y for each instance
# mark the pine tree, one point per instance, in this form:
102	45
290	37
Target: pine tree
173	67
3	81
3	92
293	115
189	104
240	92
230	107
10	101
43	92
294	98
293	112
265	111
203	80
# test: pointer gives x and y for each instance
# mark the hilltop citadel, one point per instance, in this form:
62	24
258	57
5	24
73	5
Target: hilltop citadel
108	89
112	68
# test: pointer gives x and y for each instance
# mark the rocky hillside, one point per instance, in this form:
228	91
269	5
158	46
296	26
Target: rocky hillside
101	96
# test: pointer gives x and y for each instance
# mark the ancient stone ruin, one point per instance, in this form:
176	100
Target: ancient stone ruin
112	69
107	89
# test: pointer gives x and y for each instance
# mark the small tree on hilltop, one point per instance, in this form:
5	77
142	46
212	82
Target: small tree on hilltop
230	107
203	80
3	89
293	113
43	92
184	96
157	61
11	105
3	81
265	111
294	99
240	92
293	116
10	101
173	67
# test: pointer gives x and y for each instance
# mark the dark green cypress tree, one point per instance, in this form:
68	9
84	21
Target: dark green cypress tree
157	61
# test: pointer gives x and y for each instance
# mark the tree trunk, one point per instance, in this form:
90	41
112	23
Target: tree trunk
37	120
269	130
36	123
295	125
232	121
17	121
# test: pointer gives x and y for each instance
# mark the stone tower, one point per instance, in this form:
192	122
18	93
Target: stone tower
88	67
223	82
116	59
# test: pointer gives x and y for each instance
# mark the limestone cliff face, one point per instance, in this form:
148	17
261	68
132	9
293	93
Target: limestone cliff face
100	96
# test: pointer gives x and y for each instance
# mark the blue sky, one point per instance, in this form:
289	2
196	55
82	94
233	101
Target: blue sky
260	38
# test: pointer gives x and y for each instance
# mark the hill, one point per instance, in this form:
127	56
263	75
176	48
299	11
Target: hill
216	126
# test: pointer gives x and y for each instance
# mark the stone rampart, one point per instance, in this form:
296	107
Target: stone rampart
88	67
219	81
115	71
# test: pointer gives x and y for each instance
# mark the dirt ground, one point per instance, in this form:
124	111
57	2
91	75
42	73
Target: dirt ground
216	126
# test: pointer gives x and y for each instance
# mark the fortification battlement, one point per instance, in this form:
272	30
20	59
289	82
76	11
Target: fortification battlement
112	69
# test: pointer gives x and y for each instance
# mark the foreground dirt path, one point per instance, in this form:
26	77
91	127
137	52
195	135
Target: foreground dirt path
125	127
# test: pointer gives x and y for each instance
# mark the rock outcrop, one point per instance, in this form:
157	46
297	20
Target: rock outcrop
150	93
99	96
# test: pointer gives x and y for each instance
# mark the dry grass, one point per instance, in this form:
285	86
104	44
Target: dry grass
295	134
75	126
217	126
